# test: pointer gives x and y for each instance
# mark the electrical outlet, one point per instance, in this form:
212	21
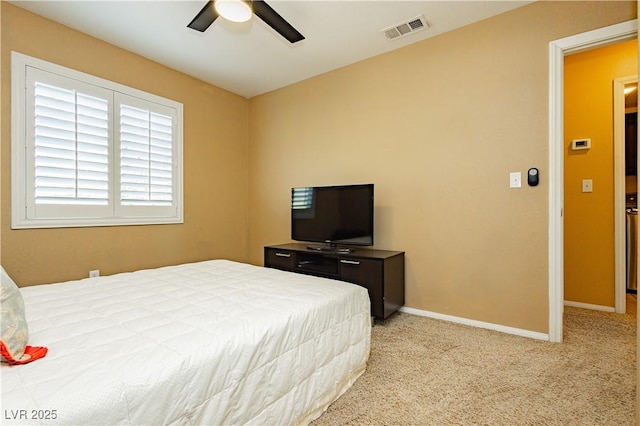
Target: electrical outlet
94	273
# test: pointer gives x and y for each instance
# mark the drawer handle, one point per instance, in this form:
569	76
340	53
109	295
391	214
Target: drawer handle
350	262
283	254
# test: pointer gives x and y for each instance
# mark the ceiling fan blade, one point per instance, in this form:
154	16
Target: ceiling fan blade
204	18
263	11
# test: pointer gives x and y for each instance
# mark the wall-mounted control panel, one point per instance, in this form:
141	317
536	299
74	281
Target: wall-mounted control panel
533	176
578	144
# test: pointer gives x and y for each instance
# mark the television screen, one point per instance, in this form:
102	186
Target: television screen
333	214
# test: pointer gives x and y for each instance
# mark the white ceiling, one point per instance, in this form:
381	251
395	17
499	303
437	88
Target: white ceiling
250	58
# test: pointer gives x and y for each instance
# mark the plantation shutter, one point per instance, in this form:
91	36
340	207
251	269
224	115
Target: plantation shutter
67	148
71	147
145	157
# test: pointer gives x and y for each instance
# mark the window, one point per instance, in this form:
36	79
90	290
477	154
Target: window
90	152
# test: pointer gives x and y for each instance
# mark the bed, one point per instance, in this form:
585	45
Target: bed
214	342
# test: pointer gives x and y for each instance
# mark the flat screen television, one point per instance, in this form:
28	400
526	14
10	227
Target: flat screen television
333	215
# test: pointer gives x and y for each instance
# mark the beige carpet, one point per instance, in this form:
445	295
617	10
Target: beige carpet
428	372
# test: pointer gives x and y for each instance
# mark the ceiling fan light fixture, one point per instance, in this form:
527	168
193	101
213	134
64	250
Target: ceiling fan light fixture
233	10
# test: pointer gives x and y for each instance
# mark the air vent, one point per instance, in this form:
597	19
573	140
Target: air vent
405	28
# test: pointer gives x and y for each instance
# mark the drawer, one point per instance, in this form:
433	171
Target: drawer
280	259
368	274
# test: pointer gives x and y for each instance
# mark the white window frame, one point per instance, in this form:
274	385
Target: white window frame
24	215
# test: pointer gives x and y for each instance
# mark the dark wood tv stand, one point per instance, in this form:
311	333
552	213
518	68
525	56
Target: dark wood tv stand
380	271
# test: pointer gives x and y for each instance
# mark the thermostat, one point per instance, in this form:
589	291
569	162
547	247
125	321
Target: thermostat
577	144
533	177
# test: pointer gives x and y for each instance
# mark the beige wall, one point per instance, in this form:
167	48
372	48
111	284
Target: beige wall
589	217
215	166
437	127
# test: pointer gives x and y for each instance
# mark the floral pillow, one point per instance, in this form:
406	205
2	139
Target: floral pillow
13	325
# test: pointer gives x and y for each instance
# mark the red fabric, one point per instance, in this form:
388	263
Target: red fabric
31	353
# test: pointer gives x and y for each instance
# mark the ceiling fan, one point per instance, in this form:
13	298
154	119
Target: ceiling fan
241	10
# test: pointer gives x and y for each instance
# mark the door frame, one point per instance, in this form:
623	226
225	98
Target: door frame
557	50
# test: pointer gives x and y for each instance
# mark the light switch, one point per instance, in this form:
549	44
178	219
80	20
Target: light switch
587	185
515	180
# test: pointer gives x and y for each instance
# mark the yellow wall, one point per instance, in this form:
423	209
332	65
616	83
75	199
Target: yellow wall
215	166
589	217
437	127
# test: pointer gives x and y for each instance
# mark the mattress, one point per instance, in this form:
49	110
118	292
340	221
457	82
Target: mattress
215	342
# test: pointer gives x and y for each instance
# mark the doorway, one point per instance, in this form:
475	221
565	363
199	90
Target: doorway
557	50
595	217
625	111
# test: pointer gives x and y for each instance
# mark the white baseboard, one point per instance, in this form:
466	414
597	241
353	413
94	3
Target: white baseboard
479	324
589	306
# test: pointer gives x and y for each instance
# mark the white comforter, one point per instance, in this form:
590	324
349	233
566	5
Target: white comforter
214	342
